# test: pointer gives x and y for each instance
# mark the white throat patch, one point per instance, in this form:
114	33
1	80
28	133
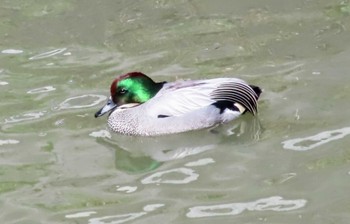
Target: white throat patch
127	106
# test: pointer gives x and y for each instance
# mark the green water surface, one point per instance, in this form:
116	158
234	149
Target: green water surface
58	164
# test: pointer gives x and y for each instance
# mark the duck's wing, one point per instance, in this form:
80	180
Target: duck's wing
181	97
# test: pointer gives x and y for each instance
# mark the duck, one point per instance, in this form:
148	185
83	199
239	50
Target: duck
139	106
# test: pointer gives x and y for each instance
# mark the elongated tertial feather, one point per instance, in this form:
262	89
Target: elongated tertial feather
237	92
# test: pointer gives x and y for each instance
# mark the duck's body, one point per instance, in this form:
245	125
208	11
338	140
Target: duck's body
145	108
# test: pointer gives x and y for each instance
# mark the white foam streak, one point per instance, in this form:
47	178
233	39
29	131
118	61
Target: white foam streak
275	203
152	207
66	104
127	189
9	142
3	83
48	54
41	90
156	178
117	219
315	140
25	117
12	51
201	162
122	218
80	215
101	134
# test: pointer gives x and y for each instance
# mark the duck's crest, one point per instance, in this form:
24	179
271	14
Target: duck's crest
131	74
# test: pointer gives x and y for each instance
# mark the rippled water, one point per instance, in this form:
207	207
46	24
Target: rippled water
58	164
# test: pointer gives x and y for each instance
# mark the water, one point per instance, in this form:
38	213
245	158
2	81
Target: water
58	164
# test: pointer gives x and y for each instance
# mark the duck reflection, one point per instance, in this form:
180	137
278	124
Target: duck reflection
143	154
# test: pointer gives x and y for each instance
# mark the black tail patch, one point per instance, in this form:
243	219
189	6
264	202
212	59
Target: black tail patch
256	89
238	92
225	104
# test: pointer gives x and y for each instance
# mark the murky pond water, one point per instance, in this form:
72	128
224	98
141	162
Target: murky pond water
58	164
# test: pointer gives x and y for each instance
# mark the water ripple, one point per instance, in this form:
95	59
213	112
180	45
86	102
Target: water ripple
201	162
152	207
80	214
156	177
41	90
12	51
310	142
8	142
25	117
117	219
101	134
120	218
3	83
275	203
66	104
48	54
127	189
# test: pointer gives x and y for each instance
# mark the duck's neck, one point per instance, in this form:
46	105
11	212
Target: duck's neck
158	86
154	89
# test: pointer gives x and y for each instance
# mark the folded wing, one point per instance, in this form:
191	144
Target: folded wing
181	97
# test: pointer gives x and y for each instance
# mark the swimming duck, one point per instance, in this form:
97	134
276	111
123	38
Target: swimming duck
141	107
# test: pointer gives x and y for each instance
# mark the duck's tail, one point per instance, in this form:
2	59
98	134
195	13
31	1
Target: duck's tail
257	90
237	96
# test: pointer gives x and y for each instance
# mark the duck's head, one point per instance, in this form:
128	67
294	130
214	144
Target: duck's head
130	89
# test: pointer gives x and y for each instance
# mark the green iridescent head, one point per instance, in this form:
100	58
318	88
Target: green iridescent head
134	87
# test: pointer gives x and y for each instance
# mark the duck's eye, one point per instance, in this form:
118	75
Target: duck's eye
122	91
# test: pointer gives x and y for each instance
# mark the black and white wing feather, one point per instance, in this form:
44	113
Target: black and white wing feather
181	97
237	92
